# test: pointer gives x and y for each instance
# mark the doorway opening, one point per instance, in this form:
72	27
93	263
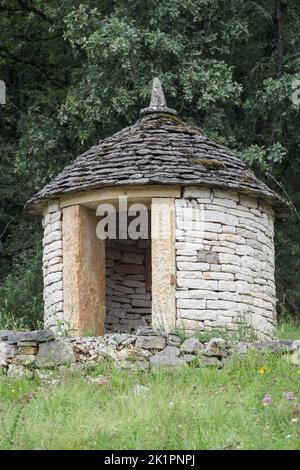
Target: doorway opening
128	283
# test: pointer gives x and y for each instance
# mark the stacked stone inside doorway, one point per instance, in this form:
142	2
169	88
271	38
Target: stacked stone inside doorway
128	284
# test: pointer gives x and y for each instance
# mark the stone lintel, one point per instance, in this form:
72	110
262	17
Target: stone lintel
111	194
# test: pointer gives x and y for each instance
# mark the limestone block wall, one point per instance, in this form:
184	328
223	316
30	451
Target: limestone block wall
53	265
224	261
128	284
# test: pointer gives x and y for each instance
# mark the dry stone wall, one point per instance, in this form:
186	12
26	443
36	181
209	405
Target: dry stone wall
35	353
225	262
128	288
53	266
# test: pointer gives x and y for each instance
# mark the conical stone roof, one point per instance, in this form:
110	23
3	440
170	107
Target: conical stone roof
158	149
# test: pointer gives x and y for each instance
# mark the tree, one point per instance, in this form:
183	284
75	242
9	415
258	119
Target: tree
78	71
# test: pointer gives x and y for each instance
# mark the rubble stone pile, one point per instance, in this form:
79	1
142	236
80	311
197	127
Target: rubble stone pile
28	353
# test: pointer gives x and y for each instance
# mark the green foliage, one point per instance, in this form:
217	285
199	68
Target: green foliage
77	71
264	157
223	408
288	328
21	292
65	329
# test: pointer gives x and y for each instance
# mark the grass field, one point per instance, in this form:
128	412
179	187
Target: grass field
250	404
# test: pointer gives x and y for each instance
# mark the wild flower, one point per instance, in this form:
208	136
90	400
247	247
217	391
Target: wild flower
289	396
267	400
263	370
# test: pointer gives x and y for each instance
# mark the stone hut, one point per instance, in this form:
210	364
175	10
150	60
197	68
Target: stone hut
213	270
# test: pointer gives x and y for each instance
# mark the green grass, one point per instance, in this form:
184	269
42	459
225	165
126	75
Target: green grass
193	408
288	329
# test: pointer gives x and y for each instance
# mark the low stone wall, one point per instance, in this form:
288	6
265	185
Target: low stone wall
53	266
128	284
28	353
225	262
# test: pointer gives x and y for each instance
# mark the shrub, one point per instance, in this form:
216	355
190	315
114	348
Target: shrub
21	292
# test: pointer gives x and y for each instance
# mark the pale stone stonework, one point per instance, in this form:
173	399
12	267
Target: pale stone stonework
227	276
127	293
53	265
83	271
216	270
163	265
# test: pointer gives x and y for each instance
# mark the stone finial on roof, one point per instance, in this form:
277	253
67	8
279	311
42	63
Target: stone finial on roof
158	101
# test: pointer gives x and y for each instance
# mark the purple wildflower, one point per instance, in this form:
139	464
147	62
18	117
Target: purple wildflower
289	396
267	400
